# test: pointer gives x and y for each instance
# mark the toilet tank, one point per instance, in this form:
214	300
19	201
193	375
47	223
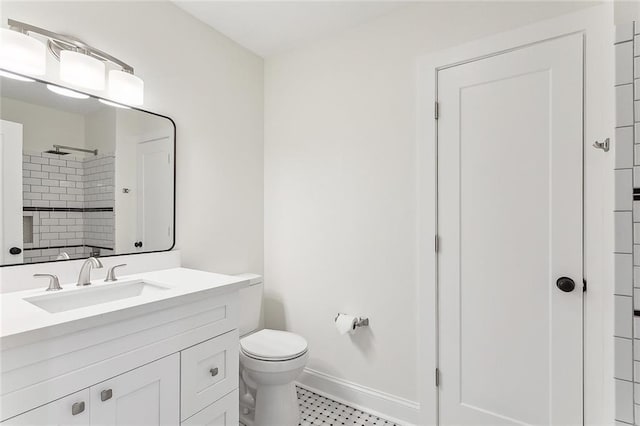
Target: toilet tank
250	304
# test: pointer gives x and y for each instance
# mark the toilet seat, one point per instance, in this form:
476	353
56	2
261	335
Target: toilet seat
273	345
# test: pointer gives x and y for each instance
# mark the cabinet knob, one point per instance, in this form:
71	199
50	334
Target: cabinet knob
77	408
106	394
214	372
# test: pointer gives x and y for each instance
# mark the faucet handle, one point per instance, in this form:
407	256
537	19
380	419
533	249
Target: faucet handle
54	284
63	256
111	273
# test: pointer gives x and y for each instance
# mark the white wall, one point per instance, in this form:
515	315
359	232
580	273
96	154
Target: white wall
43	126
340	185
213	89
100	130
626	11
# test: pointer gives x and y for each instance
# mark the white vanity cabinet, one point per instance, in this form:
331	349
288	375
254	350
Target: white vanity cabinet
148	395
167	363
71	410
209	372
223	412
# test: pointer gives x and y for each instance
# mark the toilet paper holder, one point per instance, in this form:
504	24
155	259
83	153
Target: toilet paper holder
361	322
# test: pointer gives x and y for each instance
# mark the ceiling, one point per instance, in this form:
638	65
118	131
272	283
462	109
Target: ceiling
271	27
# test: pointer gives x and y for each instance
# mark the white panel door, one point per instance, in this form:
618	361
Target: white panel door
510	225
146	396
155	194
10	192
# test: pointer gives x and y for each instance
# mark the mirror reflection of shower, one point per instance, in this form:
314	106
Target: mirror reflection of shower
86	178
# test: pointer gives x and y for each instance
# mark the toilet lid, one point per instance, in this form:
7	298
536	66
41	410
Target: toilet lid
273	345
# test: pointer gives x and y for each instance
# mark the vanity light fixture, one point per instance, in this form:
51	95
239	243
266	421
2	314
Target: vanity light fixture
126	87
81	65
21	53
66	92
81	70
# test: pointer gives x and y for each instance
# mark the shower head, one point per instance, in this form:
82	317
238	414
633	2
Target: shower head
56	151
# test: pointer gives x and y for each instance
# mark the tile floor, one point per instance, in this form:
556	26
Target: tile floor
318	410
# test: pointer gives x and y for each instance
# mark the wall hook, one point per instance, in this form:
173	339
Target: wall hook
602	145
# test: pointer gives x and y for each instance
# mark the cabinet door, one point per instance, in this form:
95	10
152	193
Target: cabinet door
209	371
71	410
223	412
149	395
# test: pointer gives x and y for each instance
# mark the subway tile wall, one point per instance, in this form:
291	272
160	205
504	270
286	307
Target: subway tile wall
627	225
70	201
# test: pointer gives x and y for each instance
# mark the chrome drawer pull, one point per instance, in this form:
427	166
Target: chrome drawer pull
77	408
214	372
106	394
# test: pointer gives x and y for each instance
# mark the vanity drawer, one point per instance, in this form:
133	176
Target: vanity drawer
71	410
209	371
223	412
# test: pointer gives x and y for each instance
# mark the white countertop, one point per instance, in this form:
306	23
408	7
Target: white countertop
23	322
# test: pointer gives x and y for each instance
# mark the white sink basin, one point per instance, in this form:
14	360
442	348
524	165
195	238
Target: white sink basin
76	298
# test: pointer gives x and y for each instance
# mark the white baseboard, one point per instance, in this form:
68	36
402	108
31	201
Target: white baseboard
387	406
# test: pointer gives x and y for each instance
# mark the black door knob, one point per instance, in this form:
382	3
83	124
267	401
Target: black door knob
15	250
566	284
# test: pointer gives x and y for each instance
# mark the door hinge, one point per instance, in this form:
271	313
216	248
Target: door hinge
436	110
584	285
437	244
437	377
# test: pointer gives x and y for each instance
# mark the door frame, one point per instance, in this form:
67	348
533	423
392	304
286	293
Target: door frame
576	260
596	25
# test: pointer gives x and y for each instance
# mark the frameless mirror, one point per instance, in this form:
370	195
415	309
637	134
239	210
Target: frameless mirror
81	177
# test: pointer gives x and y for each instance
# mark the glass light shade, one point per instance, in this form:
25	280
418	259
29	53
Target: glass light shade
67	92
126	88
21	53
82	70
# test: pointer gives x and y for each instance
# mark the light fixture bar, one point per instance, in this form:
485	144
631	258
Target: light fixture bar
59	42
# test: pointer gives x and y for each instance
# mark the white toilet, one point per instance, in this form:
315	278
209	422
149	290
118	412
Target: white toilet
270	361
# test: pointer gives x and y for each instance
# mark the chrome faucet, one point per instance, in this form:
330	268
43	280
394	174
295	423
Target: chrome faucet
85	272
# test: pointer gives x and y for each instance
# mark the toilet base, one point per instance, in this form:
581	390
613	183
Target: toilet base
268	394
277	405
